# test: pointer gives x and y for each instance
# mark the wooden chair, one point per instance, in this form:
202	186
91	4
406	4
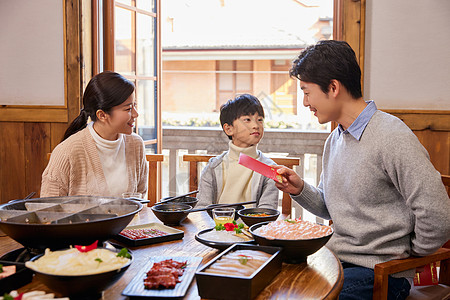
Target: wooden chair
153	161
383	270
194	159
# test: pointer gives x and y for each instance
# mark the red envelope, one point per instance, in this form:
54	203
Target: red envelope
259	167
427	277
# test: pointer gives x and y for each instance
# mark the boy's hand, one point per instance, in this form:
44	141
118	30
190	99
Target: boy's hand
292	183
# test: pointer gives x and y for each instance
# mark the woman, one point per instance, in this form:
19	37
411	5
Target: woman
103	157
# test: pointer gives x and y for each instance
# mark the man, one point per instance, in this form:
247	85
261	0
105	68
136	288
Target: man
378	185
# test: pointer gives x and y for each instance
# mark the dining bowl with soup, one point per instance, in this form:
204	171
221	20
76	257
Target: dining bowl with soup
251	216
78	274
171	213
297	238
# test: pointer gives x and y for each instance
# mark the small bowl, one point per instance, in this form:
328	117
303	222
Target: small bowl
211	206
251	220
171	214
294	251
81	286
192	201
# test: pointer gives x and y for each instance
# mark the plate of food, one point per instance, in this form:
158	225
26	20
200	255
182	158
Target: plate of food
223	236
13	275
147	234
164	277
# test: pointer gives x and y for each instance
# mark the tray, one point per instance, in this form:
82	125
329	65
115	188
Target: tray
22	277
172	234
218	286
217	245
136	287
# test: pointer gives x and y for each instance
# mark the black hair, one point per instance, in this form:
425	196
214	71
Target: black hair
104	91
242	105
327	60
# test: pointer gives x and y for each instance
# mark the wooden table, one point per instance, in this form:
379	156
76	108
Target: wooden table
321	277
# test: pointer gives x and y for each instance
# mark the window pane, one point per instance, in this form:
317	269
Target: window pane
146	109
148	5
225	82
145	45
124	52
243	82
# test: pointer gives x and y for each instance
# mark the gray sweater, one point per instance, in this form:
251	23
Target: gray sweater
263	189
385	198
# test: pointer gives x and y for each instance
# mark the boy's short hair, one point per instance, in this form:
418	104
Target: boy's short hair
327	60
242	105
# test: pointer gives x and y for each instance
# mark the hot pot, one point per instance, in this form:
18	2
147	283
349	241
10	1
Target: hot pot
59	222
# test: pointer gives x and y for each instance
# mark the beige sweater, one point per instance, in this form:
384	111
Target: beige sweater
236	178
75	168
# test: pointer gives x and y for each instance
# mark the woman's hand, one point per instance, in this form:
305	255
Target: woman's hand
292	183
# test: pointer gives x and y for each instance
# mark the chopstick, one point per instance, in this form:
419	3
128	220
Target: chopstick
221	205
178	197
29	195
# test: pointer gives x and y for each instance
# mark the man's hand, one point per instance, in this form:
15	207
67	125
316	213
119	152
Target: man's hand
292	183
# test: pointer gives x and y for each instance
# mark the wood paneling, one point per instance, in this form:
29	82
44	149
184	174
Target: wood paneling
13	161
29	133
37	145
435	120
437	144
432	128
28	114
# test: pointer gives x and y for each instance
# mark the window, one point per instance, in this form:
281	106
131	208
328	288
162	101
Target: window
210	58
132	49
233	77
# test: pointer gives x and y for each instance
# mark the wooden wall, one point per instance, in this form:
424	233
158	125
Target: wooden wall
433	130
431	127
28	133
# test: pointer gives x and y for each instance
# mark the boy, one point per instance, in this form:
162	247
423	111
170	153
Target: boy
223	180
385	198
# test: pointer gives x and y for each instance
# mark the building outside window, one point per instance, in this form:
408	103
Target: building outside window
213	50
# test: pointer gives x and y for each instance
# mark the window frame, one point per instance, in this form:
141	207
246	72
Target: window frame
107	52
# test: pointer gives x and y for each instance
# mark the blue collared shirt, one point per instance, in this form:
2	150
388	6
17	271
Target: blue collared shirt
356	129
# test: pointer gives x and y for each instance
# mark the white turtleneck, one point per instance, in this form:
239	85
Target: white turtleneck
236	185
112	158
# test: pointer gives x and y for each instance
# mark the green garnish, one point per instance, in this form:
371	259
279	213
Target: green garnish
243	259
290	221
124	253
1	268
8	297
99	260
241	226
219	227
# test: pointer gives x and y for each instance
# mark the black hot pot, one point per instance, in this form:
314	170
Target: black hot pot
59	222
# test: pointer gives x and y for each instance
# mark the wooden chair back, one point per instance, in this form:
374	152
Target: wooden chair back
154	161
383	270
194	159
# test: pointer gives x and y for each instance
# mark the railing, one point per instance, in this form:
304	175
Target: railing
308	146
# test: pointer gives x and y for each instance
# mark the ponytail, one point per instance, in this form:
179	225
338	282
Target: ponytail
77	124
